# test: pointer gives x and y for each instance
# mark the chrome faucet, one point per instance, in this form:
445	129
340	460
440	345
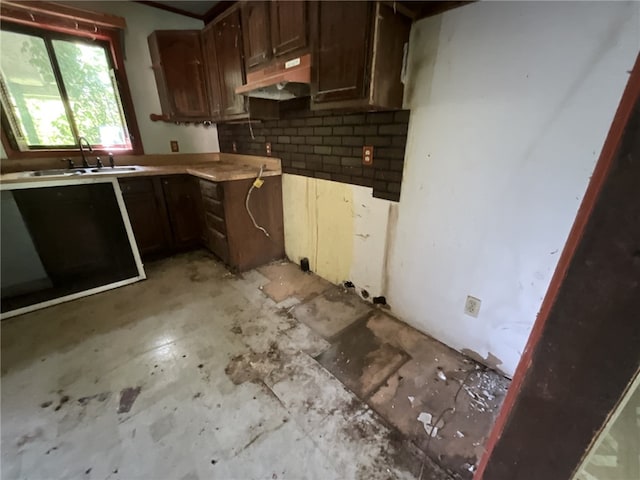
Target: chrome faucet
85	164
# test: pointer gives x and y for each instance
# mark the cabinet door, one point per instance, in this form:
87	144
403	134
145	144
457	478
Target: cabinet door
180	195
341	50
228	41
179	70
255	33
212	72
147	214
288	26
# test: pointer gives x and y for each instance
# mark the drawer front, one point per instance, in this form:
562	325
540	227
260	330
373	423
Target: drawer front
211	189
218	243
213	206
136	185
216	222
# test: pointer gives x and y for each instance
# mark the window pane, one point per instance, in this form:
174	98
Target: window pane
33	93
86	74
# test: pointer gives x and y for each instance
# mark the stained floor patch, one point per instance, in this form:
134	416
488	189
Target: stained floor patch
127	397
332	312
288	280
361	360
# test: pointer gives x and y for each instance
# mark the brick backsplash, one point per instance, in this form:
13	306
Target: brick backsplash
328	145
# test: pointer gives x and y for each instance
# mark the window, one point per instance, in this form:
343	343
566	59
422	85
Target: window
55	88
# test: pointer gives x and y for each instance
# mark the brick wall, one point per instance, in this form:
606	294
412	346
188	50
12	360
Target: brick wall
328	145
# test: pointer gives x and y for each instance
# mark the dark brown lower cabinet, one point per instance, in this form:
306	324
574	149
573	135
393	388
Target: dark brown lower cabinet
178	212
145	204
164	212
181	195
230	232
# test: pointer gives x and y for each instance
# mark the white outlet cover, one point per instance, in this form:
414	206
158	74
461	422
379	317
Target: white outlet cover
472	306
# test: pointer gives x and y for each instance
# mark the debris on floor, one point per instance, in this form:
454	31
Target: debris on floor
274	370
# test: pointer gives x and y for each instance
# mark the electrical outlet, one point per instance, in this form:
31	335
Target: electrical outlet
268	148
174	146
367	155
472	306
234	147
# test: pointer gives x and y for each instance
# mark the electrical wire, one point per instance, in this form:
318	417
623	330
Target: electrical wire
246	203
451	409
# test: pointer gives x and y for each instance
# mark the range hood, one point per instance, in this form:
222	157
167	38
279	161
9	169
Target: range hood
280	81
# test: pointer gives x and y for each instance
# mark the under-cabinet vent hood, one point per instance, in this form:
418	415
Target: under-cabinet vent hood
280	81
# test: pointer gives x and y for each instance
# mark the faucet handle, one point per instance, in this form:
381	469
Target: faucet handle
112	162
99	163
70	164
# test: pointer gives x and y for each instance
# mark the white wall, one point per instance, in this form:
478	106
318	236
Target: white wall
510	105
141	21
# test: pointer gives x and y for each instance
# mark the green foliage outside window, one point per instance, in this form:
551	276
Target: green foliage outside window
36	98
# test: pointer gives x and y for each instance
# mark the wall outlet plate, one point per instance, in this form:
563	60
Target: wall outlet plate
174	146
268	148
367	155
472	306
234	147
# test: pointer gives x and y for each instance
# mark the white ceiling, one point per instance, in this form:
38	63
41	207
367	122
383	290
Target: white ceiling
193	7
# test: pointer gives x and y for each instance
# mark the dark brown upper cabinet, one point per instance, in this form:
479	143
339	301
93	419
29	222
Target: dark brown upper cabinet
212	72
288	26
178	66
359	53
255	34
227	33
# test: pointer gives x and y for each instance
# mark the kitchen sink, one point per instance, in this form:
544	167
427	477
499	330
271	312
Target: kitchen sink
114	169
65	172
57	172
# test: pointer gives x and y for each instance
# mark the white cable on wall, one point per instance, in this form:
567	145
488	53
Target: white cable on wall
257	183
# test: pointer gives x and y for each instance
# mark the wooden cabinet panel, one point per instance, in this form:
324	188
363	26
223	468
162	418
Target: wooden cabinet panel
248	246
231	234
255	33
147	212
359	53
181	196
211	189
341	50
178	67
288	26
228	43
212	72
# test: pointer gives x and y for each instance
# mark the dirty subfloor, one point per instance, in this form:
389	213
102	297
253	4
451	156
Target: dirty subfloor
196	373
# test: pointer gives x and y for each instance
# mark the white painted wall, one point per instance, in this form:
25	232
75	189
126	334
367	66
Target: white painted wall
511	103
141	21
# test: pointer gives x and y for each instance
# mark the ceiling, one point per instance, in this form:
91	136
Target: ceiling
203	10
207	10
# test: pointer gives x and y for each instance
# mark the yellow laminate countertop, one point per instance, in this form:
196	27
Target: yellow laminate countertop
217	171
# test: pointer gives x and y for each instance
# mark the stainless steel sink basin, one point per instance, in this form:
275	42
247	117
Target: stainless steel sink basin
114	169
58	172
66	172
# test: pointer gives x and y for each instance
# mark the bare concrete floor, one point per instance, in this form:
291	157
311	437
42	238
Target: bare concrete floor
197	373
